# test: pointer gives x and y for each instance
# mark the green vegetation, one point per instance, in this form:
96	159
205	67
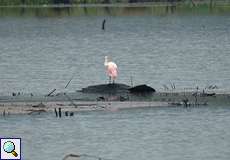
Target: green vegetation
54	8
71	2
47	2
161	10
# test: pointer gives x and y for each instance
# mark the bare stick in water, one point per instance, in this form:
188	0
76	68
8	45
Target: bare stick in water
103	24
69	82
71	155
56	113
51	92
59	111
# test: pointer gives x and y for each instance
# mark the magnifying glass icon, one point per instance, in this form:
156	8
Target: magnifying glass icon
9	147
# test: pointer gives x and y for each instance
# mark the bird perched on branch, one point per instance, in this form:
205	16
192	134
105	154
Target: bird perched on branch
111	69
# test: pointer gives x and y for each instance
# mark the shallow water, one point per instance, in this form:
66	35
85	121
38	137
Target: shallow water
40	52
158	133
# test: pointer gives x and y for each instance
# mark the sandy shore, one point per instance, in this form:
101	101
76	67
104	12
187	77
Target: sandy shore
37	108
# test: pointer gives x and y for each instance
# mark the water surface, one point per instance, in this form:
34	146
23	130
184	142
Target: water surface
41	51
159	133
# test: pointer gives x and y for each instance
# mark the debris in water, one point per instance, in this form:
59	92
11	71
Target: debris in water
77	157
40	105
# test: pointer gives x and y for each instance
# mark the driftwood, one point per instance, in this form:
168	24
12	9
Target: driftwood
208	94
71	155
49	94
39	111
69	81
40	105
83	155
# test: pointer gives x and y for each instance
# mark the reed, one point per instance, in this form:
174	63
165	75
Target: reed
73	2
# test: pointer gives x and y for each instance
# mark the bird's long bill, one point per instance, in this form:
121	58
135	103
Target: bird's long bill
14	153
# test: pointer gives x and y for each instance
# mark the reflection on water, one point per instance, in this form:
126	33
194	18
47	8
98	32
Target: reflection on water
111	10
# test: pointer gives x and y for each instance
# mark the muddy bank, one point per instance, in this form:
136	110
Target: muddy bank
31	108
95	102
110	97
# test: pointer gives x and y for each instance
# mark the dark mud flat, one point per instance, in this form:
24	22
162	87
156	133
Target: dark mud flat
110	97
32	108
103	92
114	88
118	88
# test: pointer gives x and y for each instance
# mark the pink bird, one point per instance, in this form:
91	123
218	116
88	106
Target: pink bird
111	69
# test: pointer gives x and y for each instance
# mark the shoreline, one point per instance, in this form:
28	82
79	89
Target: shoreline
77	102
118	9
138	4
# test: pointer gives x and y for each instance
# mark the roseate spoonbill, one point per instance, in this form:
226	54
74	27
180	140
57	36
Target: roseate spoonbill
111	69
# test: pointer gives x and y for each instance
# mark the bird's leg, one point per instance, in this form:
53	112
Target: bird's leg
109	79
113	81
